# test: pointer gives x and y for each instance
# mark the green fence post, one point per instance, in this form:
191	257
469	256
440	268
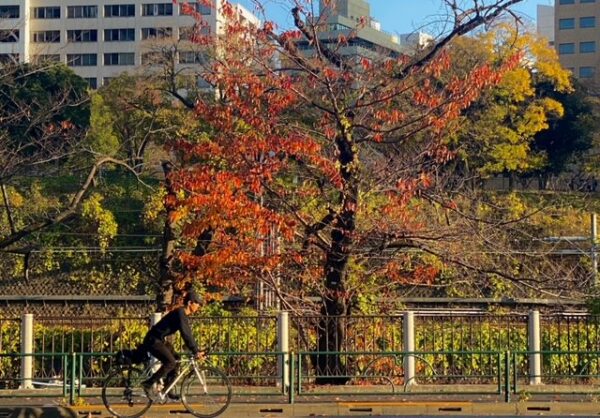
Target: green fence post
292	372
514	372
65	368
80	375
72	383
507	376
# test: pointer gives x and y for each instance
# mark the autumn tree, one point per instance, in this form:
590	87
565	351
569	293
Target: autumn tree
495	135
330	151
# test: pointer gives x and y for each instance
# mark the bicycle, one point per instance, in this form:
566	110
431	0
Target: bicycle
205	390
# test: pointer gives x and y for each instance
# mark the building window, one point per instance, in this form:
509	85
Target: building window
157	33
119	58
82	12
566	2
587	22
155	57
82	60
587	47
588	1
9	35
187	33
82	35
566	23
52	12
191	33
587	72
119	35
119	10
46	58
46	36
565	49
9	12
92	82
157	9
191	57
197	7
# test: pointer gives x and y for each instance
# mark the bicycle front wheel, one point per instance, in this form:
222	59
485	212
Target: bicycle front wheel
123	394
206	392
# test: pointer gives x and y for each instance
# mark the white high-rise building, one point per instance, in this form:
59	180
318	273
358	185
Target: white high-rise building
99	39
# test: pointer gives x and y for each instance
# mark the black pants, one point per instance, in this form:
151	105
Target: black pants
165	353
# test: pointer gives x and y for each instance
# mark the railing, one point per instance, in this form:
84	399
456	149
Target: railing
368	374
385	353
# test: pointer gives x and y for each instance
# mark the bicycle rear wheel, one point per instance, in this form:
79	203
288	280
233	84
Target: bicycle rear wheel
123	394
207	395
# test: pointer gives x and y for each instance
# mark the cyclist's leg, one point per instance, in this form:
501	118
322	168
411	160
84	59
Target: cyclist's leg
170	377
168	363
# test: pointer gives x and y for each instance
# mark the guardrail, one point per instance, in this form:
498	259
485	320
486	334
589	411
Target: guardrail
365	374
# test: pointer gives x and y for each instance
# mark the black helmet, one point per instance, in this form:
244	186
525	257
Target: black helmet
192	296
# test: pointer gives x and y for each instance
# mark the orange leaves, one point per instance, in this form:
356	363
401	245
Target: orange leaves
268	26
390	117
331	73
398	272
439	65
287	141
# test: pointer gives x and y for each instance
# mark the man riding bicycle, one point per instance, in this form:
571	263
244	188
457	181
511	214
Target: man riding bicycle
155	344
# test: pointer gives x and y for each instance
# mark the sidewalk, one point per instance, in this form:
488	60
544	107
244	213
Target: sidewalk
467	400
332	409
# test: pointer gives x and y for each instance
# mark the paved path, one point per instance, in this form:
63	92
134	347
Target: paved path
328	409
423	401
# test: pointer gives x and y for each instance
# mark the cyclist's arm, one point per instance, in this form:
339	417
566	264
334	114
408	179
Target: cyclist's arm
186	333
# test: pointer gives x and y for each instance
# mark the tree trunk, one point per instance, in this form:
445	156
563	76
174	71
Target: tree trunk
166	275
331	335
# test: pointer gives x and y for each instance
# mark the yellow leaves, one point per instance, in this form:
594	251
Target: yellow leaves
516	85
154	206
106	225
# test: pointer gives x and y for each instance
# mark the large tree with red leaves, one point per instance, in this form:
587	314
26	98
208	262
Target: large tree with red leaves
327	152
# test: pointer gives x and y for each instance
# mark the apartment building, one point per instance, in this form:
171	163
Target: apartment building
99	39
577	38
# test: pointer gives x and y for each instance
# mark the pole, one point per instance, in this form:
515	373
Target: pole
283	347
27	351
535	357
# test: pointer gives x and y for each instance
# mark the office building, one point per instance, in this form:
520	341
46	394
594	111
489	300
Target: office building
99	39
577	38
342	18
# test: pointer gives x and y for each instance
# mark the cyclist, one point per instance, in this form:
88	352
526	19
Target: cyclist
155	344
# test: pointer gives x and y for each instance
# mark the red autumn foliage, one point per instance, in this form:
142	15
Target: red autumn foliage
326	155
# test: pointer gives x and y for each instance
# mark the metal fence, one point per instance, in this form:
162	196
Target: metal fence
448	349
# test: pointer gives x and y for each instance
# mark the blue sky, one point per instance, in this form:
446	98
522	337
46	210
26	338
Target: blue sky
396	16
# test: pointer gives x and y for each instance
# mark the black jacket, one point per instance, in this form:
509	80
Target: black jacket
174	321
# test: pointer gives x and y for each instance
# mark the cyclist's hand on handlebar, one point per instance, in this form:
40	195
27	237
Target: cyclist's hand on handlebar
200	355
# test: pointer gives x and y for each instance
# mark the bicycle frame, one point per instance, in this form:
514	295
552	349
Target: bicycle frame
188	365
